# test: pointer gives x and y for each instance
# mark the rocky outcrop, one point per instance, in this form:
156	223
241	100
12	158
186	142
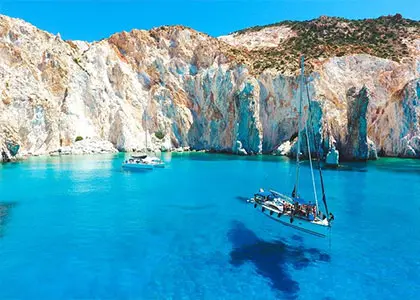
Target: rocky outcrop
196	91
397	131
357	146
9	143
332	158
87	146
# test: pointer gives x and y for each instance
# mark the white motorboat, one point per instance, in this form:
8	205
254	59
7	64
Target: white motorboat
143	162
154	161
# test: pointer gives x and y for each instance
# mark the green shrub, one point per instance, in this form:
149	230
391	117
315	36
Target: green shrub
159	134
78	138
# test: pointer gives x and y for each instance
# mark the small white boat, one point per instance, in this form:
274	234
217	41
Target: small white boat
143	162
154	161
136	164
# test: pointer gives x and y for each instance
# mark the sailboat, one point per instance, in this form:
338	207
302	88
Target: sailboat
294	211
143	161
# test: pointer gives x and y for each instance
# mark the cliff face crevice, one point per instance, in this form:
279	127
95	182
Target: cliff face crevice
200	92
356	145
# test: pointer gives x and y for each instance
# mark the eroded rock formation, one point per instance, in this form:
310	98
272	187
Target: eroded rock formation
357	146
197	91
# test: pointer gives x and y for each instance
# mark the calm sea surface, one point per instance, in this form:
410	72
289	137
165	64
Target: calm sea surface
80	227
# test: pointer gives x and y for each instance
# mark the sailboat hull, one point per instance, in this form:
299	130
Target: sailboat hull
141	166
316	228
137	166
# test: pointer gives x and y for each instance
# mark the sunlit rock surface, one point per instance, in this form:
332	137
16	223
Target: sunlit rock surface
87	146
190	87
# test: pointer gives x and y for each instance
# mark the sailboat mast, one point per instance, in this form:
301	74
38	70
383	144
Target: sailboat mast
145	128
310	159
317	147
145	132
146	119
295	190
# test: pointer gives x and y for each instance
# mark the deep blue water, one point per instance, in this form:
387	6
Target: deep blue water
80	227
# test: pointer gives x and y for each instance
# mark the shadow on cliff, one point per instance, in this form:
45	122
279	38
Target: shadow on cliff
272	259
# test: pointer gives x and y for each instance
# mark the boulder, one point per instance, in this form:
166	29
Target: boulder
284	149
238	149
332	158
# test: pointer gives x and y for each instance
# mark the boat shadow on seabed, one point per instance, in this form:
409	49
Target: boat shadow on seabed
272	258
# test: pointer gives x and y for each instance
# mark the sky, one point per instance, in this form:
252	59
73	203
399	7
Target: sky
94	20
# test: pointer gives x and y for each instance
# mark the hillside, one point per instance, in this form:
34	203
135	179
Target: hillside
391	37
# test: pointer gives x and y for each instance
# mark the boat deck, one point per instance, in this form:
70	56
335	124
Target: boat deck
273	208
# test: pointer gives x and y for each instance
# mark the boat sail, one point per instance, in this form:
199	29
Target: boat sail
143	161
294	211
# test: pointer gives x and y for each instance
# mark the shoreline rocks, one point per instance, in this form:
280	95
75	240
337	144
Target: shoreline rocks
86	146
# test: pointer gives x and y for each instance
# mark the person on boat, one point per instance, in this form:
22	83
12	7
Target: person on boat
281	208
285	207
330	217
312	211
301	210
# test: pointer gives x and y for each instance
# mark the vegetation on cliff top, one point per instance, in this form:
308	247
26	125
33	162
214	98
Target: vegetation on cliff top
386	37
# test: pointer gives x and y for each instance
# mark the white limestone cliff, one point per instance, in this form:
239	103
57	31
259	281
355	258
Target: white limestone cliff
186	88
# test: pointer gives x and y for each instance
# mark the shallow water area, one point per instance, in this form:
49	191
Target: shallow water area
81	227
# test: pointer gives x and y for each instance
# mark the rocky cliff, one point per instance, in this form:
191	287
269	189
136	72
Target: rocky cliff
176	87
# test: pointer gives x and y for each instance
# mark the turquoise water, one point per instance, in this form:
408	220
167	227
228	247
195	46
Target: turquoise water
80	227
